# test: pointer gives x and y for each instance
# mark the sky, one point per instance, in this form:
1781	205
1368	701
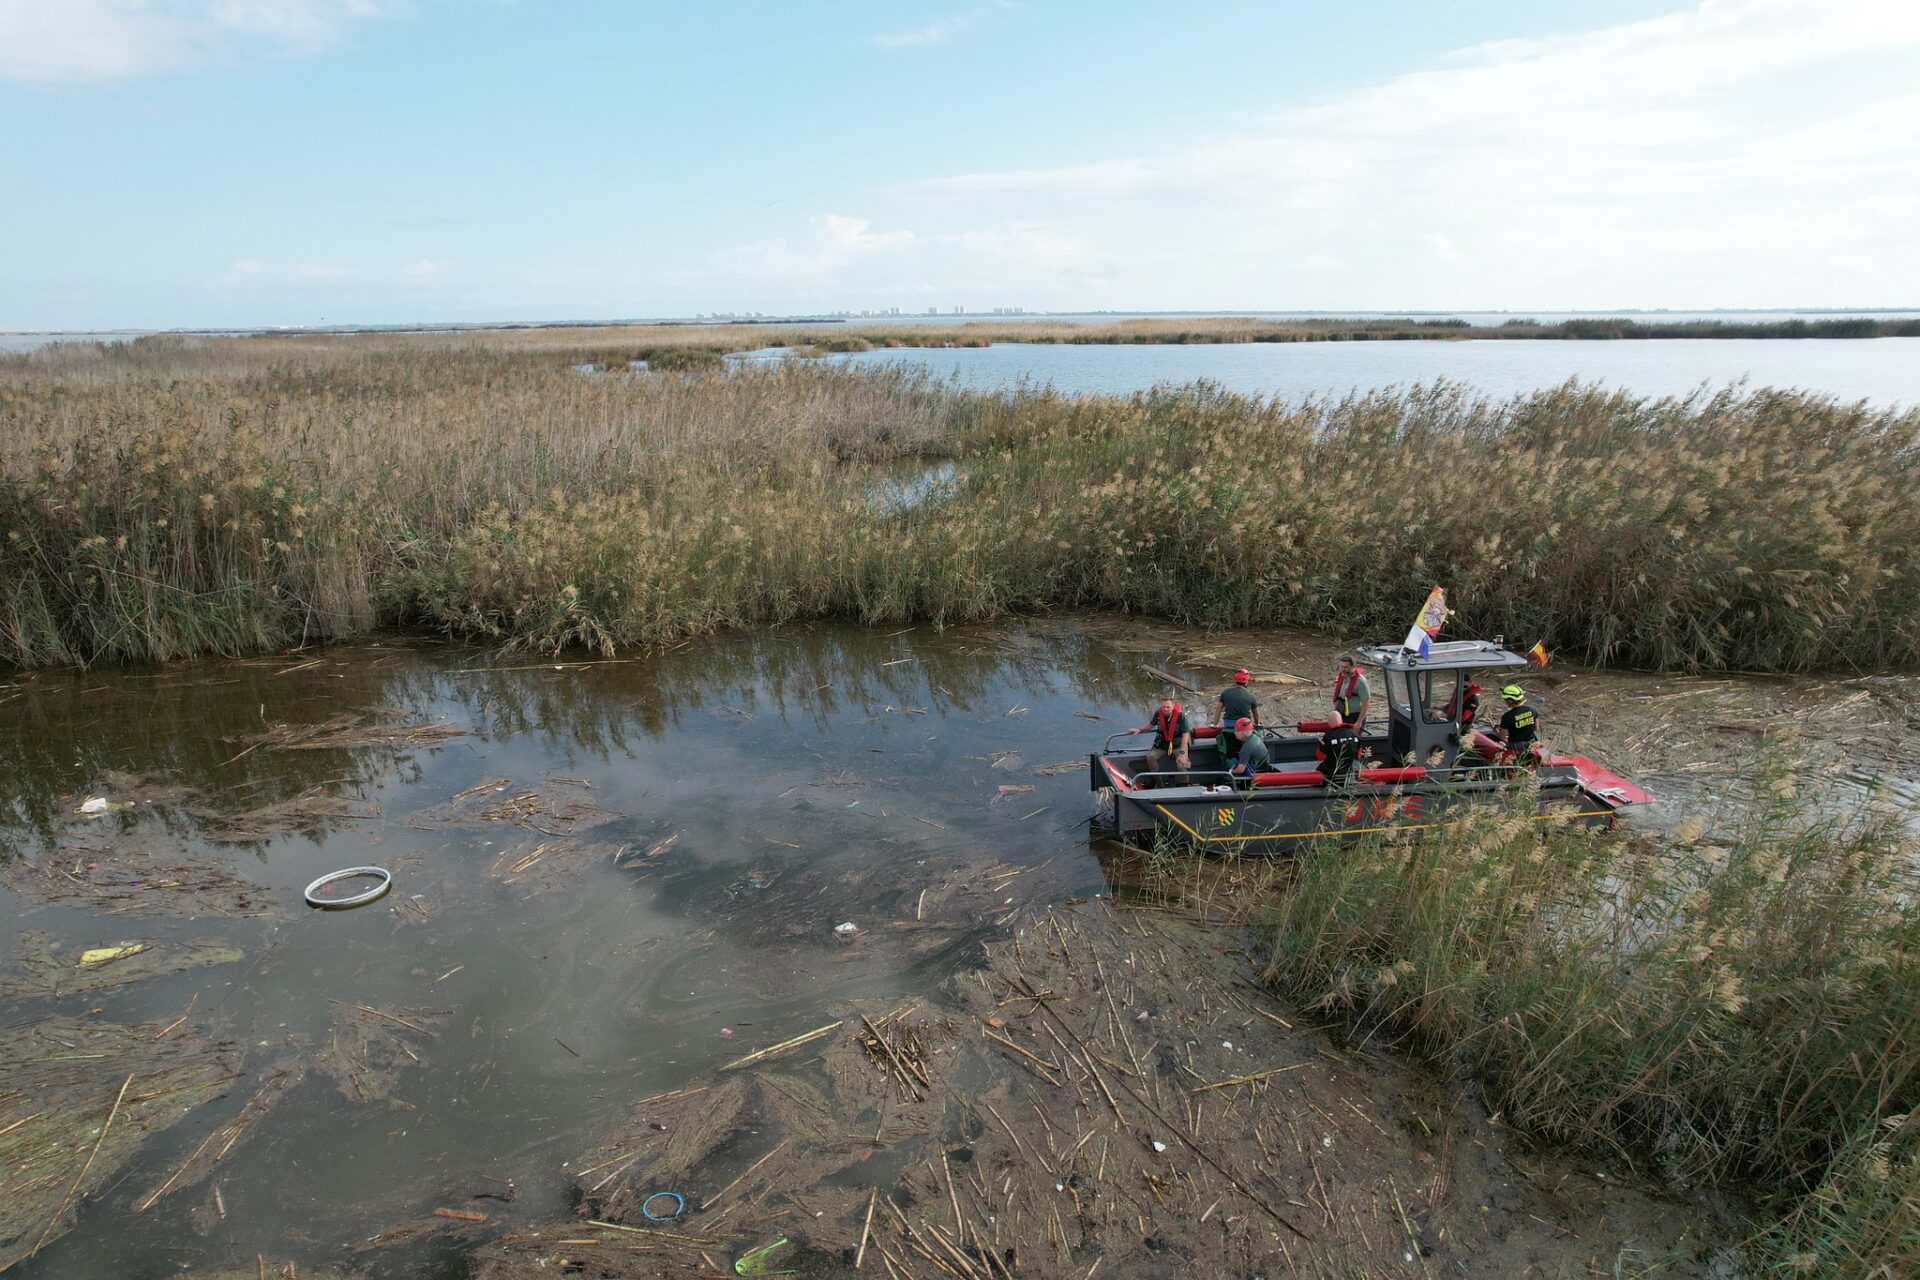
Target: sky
241	163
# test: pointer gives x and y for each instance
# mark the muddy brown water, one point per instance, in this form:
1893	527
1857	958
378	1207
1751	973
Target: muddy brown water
610	878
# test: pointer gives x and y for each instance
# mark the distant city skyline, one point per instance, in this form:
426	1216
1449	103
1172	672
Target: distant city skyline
211	164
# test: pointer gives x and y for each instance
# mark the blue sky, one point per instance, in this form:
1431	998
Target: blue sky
256	162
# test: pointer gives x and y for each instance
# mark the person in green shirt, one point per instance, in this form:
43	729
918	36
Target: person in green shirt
1236	702
1172	738
1352	695
1253	756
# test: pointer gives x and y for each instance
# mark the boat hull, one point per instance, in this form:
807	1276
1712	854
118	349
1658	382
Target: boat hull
1269	820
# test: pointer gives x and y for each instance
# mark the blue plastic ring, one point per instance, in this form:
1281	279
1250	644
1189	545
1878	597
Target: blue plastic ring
679	1207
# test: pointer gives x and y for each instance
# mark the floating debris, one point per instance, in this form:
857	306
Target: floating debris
77	1099
350	731
52	971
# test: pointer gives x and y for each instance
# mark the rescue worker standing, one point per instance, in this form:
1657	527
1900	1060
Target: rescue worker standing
1172	736
1339	750
1253	757
1352	695
1236	702
1519	729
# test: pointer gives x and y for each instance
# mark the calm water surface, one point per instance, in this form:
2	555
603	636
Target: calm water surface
811	777
804	777
1884	371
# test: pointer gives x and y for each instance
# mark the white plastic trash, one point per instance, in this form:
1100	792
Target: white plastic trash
846	930
98	804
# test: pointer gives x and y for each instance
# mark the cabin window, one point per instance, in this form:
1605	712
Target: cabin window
1439	694
1396	683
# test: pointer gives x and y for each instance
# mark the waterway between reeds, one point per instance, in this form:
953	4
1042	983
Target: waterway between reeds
610	877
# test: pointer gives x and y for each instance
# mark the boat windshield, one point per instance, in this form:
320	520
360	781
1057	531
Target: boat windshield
1439	694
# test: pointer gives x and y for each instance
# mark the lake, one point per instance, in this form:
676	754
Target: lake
1883	371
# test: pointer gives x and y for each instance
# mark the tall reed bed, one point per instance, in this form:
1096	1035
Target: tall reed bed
192	496
1743	1013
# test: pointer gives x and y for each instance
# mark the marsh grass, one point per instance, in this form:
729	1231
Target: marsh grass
222	495
1743	1015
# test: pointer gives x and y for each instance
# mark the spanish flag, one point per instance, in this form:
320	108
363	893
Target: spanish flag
1538	654
1427	625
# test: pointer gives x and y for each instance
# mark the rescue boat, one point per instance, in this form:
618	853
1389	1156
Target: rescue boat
1408	776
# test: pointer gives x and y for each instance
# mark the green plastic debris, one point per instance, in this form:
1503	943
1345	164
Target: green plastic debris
754	1261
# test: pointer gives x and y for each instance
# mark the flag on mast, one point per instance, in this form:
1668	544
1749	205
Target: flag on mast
1427	624
1538	653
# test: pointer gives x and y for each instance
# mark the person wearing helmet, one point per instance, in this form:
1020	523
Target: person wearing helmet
1352	695
1236	702
1339	749
1519	730
1253	756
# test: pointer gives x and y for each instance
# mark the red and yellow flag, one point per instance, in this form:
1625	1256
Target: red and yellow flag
1538	654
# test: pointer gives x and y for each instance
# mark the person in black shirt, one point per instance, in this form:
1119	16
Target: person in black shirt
1519	727
1339	750
1172	737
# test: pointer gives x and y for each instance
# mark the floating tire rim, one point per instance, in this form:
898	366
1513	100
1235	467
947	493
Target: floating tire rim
384	876
679	1206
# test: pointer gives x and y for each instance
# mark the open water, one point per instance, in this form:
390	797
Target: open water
700	822
1882	371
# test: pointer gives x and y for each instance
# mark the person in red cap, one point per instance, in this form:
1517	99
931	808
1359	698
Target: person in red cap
1253	756
1235	703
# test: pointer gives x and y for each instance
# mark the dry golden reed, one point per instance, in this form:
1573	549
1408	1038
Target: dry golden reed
1741	1015
178	496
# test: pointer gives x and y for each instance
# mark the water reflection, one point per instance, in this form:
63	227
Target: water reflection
621	874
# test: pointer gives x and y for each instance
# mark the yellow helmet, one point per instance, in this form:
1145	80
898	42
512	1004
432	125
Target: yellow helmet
1514	693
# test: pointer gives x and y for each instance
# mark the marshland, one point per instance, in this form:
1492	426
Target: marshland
642	683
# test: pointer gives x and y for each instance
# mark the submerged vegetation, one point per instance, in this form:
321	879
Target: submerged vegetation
181	496
1741	1014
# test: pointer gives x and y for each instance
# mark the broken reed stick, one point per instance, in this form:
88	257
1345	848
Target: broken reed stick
61	1209
860	1254
1250	1079
1191	1144
753	1168
411	1026
907	1075
783	1046
1030	1057
460	1215
1170	678
17	1123
682	1241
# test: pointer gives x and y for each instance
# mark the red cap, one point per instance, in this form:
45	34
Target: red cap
1243	726
1241	676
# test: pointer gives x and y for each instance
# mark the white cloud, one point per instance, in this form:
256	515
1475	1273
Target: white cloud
424	269
936	31
1737	152
52	40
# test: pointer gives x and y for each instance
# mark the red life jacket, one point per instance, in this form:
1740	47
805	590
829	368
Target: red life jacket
1352	679
1168	721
